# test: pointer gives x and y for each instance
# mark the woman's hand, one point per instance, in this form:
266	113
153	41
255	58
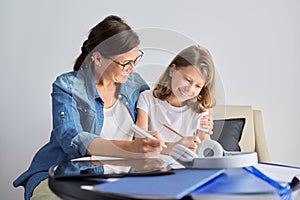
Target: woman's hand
149	147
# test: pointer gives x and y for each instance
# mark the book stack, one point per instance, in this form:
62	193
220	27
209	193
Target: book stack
231	183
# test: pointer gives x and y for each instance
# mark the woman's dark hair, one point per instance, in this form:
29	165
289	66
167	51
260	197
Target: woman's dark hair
112	36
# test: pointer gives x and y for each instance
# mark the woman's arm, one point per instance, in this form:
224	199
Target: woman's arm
138	148
76	141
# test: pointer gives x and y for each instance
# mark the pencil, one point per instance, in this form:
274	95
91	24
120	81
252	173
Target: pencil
168	127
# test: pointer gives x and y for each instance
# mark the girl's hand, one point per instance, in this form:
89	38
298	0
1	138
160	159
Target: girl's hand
206	122
190	142
193	146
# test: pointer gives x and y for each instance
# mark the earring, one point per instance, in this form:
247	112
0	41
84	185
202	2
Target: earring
171	71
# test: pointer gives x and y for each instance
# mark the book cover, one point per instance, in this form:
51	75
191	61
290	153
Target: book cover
243	181
172	186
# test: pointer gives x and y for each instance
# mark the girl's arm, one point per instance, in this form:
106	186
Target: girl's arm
192	142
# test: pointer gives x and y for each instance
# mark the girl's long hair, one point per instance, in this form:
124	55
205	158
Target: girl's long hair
200	58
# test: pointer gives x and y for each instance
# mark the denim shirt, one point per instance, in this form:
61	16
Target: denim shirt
77	112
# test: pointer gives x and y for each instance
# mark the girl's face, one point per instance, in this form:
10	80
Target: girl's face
121	66
186	83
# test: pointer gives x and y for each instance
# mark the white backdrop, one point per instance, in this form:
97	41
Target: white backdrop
255	45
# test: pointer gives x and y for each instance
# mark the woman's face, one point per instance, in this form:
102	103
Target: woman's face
186	82
121	66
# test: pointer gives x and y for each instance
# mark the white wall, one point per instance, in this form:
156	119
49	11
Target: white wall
255	45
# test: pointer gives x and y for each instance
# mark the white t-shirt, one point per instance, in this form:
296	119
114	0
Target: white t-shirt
116	126
117	123
182	119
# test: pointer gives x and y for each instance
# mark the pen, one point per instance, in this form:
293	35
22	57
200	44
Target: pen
143	133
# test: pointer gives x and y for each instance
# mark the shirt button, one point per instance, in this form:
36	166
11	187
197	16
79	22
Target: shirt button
126	103
119	96
62	113
85	110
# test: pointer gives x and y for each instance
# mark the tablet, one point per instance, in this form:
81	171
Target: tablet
113	168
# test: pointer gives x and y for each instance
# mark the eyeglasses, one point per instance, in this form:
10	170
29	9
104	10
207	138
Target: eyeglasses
130	64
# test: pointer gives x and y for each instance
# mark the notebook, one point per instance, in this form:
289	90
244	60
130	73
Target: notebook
243	182
171	186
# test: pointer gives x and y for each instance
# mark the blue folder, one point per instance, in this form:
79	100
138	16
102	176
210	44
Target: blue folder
244	181
172	186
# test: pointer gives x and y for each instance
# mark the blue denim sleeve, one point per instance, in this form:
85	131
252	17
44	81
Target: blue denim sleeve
67	128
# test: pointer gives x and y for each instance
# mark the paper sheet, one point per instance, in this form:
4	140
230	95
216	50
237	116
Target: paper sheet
281	173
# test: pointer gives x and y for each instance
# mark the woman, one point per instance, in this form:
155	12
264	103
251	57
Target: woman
102	86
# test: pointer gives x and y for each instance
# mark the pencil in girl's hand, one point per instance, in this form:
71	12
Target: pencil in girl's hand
168	127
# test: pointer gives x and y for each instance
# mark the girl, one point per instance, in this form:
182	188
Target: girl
182	95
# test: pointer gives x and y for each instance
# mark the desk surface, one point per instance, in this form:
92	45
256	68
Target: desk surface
67	178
